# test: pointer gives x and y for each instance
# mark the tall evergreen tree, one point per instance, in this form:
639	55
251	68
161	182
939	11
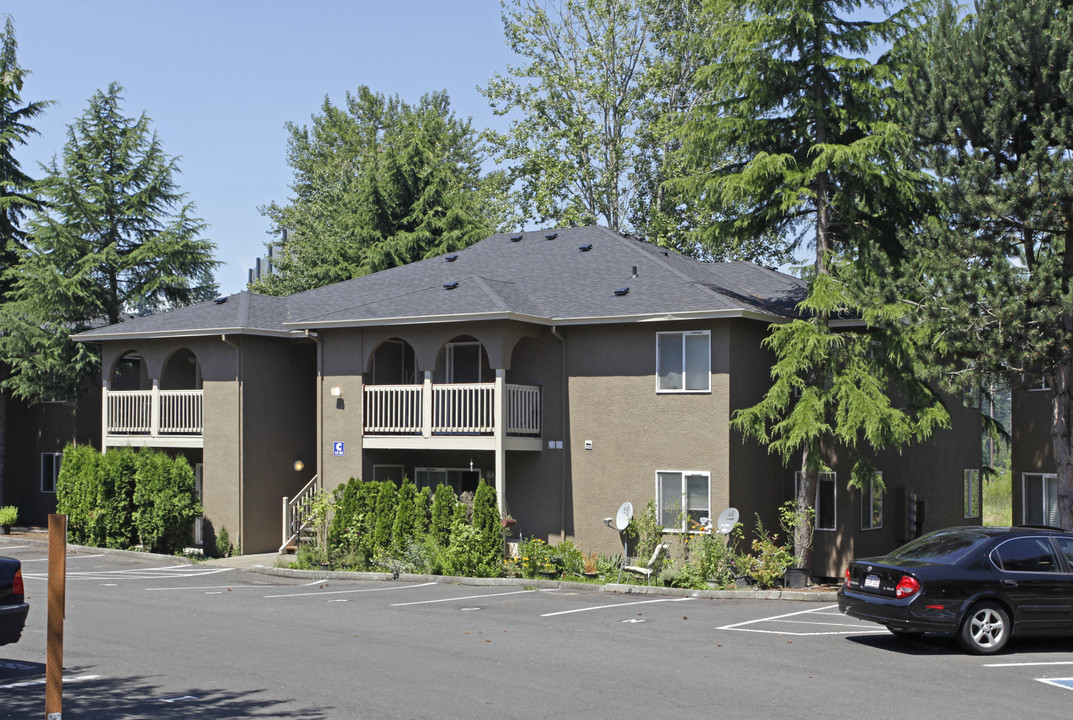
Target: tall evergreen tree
990	100
379	183
117	236
798	142
18	191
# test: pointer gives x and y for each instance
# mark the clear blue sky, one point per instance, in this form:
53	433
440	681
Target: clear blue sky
219	78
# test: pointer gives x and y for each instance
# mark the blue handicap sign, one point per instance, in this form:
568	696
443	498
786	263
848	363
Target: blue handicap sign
337	448
1066	683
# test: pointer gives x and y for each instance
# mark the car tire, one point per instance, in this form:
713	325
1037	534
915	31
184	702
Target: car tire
903	634
985	629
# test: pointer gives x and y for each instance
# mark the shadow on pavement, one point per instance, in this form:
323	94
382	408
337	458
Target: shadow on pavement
22	695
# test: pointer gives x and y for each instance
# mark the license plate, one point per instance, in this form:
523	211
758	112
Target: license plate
871	582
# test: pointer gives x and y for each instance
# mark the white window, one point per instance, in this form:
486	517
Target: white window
683	361
1040	499
826	515
972	493
683	498
872	503
50	471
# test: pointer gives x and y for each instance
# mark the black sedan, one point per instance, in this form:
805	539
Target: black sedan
984	584
13	607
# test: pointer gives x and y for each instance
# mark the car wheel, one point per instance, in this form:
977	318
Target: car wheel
904	634
986	629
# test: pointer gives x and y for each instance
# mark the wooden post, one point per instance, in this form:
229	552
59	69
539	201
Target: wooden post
57	590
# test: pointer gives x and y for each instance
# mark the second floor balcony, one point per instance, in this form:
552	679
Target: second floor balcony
153	417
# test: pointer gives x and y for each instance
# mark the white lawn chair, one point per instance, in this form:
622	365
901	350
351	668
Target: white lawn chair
651	567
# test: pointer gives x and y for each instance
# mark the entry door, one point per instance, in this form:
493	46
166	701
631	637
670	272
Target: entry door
464	362
199	523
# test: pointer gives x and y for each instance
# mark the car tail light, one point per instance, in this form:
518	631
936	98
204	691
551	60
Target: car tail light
847	577
907	586
16	585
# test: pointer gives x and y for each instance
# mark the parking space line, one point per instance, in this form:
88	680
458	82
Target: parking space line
31	683
69	558
347	592
1064	683
1029	664
613	605
13	547
858	629
467	597
210	587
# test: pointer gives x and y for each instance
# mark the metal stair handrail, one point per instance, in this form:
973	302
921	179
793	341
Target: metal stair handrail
296	512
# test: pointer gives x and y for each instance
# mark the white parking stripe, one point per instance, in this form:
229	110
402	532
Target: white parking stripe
452	599
615	605
69	558
348	592
31	683
1030	664
869	629
13	547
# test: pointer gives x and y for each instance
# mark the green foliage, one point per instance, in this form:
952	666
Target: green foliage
9	514
769	558
468	553
645	532
76	491
443	504
486	522
224	548
998	500
378	183
384	514
406	522
125	497
117	235
712	558
165	502
536	556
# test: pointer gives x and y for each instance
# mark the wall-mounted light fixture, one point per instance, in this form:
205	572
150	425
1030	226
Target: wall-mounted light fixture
299	466
337	392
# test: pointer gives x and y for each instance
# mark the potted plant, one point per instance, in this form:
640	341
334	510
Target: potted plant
592	567
8	515
799	526
508	522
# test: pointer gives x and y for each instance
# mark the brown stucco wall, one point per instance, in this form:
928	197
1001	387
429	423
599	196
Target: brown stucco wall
1031	447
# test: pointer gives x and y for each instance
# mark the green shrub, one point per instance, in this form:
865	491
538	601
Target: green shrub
487	524
113	525
404	529
645	532
443	505
76	491
769	559
385	515
224	548
8	515
165	502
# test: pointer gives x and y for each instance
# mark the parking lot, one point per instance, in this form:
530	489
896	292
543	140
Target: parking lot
152	638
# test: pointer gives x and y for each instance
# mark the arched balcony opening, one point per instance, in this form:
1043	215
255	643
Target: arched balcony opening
148	411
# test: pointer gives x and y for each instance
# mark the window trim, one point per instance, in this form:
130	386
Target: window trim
55	471
816	501
682	499
971	492
683	390
868	499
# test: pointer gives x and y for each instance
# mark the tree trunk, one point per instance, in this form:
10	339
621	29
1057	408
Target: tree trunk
3	444
1062	440
804	514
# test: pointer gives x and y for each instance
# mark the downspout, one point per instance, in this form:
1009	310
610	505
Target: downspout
241	440
562	425
320	405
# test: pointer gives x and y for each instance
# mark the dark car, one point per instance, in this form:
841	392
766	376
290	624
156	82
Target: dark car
983	584
13	607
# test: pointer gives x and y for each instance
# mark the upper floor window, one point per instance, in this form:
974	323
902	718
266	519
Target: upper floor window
872	503
683	361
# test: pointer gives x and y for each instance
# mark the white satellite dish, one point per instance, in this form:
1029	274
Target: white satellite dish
727	520
622	517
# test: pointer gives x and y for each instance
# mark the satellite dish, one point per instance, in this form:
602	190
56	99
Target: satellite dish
727	520
622	517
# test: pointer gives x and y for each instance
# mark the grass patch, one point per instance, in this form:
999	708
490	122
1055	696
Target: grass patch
998	501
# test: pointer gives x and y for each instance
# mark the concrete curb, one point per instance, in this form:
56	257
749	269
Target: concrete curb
179	559
818	595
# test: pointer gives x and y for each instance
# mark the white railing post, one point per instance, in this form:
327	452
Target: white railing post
286	520
104	413
154	409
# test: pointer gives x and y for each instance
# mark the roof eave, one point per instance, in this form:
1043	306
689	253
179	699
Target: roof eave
194	332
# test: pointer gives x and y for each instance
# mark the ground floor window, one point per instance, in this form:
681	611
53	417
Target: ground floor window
972	493
1040	492
872	503
393	473
683	498
826	497
460	479
50	471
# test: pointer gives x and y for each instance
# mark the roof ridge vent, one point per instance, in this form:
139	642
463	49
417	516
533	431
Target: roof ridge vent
515	238
450	285
586	247
551	236
220	300
451	258
622	291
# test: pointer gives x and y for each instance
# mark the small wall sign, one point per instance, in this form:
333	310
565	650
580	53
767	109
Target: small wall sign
338	449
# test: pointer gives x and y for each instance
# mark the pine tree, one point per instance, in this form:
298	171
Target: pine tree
117	236
990	101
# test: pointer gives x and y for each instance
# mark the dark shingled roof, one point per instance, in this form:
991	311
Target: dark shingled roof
534	279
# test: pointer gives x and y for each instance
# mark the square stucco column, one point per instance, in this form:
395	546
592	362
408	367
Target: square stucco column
499	413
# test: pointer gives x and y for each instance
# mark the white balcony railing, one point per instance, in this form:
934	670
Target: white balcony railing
455	408
153	412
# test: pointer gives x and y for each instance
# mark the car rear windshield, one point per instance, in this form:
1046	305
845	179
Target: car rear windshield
944	547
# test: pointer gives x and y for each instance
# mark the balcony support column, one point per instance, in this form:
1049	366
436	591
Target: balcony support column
499	420
106	385
426	405
154	409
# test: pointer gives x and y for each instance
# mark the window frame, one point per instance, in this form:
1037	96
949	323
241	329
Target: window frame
55	470
821	478
970	491
868	504
683	500
684	389
1043	478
